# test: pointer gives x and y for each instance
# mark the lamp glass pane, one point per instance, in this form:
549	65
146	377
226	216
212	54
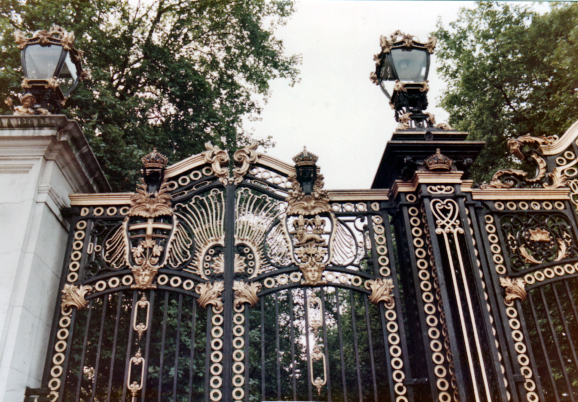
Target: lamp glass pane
410	64
41	61
68	75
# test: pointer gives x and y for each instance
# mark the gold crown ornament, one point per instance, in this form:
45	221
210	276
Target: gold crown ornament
305	158
154	160
438	161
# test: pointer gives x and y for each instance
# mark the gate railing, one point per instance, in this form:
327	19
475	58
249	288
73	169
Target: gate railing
253	282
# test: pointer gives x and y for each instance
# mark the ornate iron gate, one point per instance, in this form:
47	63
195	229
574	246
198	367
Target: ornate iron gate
256	283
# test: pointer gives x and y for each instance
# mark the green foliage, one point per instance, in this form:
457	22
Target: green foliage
509	71
169	74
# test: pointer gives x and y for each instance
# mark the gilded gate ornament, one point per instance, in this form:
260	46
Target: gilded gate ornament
514	289
74	296
244	157
246	293
316	322
381	291
210	294
530	148
150	236
219	161
534	239
309	231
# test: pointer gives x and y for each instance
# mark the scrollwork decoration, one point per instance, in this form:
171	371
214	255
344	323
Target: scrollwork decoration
74	296
440	189
529	148
245	157
219	160
381	291
210	294
246	293
514	289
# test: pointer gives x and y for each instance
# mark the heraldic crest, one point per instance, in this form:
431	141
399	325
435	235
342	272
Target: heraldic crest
151	236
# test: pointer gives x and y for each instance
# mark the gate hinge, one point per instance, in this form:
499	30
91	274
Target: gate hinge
37	394
415	381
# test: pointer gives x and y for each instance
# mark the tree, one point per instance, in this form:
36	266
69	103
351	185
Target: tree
170	74
510	71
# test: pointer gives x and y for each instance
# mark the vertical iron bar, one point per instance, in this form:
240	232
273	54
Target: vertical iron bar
83	355
192	361
262	301
546	359
344	382
277	347
208	352
129	344
326	348
115	338
99	346
565	324
228	276
177	345
247	351
292	344
555	338
308	352
370	347
148	341
355	344
162	357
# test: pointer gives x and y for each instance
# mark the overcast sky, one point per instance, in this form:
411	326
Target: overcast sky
335	110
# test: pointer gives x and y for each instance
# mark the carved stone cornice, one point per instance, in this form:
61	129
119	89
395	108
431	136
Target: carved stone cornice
246	293
381	291
210	294
514	289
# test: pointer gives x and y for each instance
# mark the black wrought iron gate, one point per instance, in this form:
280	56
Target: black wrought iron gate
255	283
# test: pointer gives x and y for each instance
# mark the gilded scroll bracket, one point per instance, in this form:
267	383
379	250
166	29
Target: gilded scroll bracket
74	296
514	288
246	293
210	294
381	291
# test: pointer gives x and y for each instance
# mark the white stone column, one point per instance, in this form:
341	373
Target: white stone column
42	160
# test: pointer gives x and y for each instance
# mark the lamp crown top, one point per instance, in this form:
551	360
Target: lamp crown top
399	39
155	160
305	158
55	36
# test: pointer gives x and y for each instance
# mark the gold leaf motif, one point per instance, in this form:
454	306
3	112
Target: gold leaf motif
404	121
245	157
381	291
240	264
515	147
246	293
219	160
307	204
74	296
539	234
210	293
149	205
514	289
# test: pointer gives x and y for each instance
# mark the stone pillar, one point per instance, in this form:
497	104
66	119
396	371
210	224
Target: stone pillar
42	160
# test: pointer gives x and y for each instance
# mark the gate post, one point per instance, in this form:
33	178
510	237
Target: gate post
436	232
42	160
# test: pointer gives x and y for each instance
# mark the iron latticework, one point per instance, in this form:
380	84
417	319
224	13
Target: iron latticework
253	282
